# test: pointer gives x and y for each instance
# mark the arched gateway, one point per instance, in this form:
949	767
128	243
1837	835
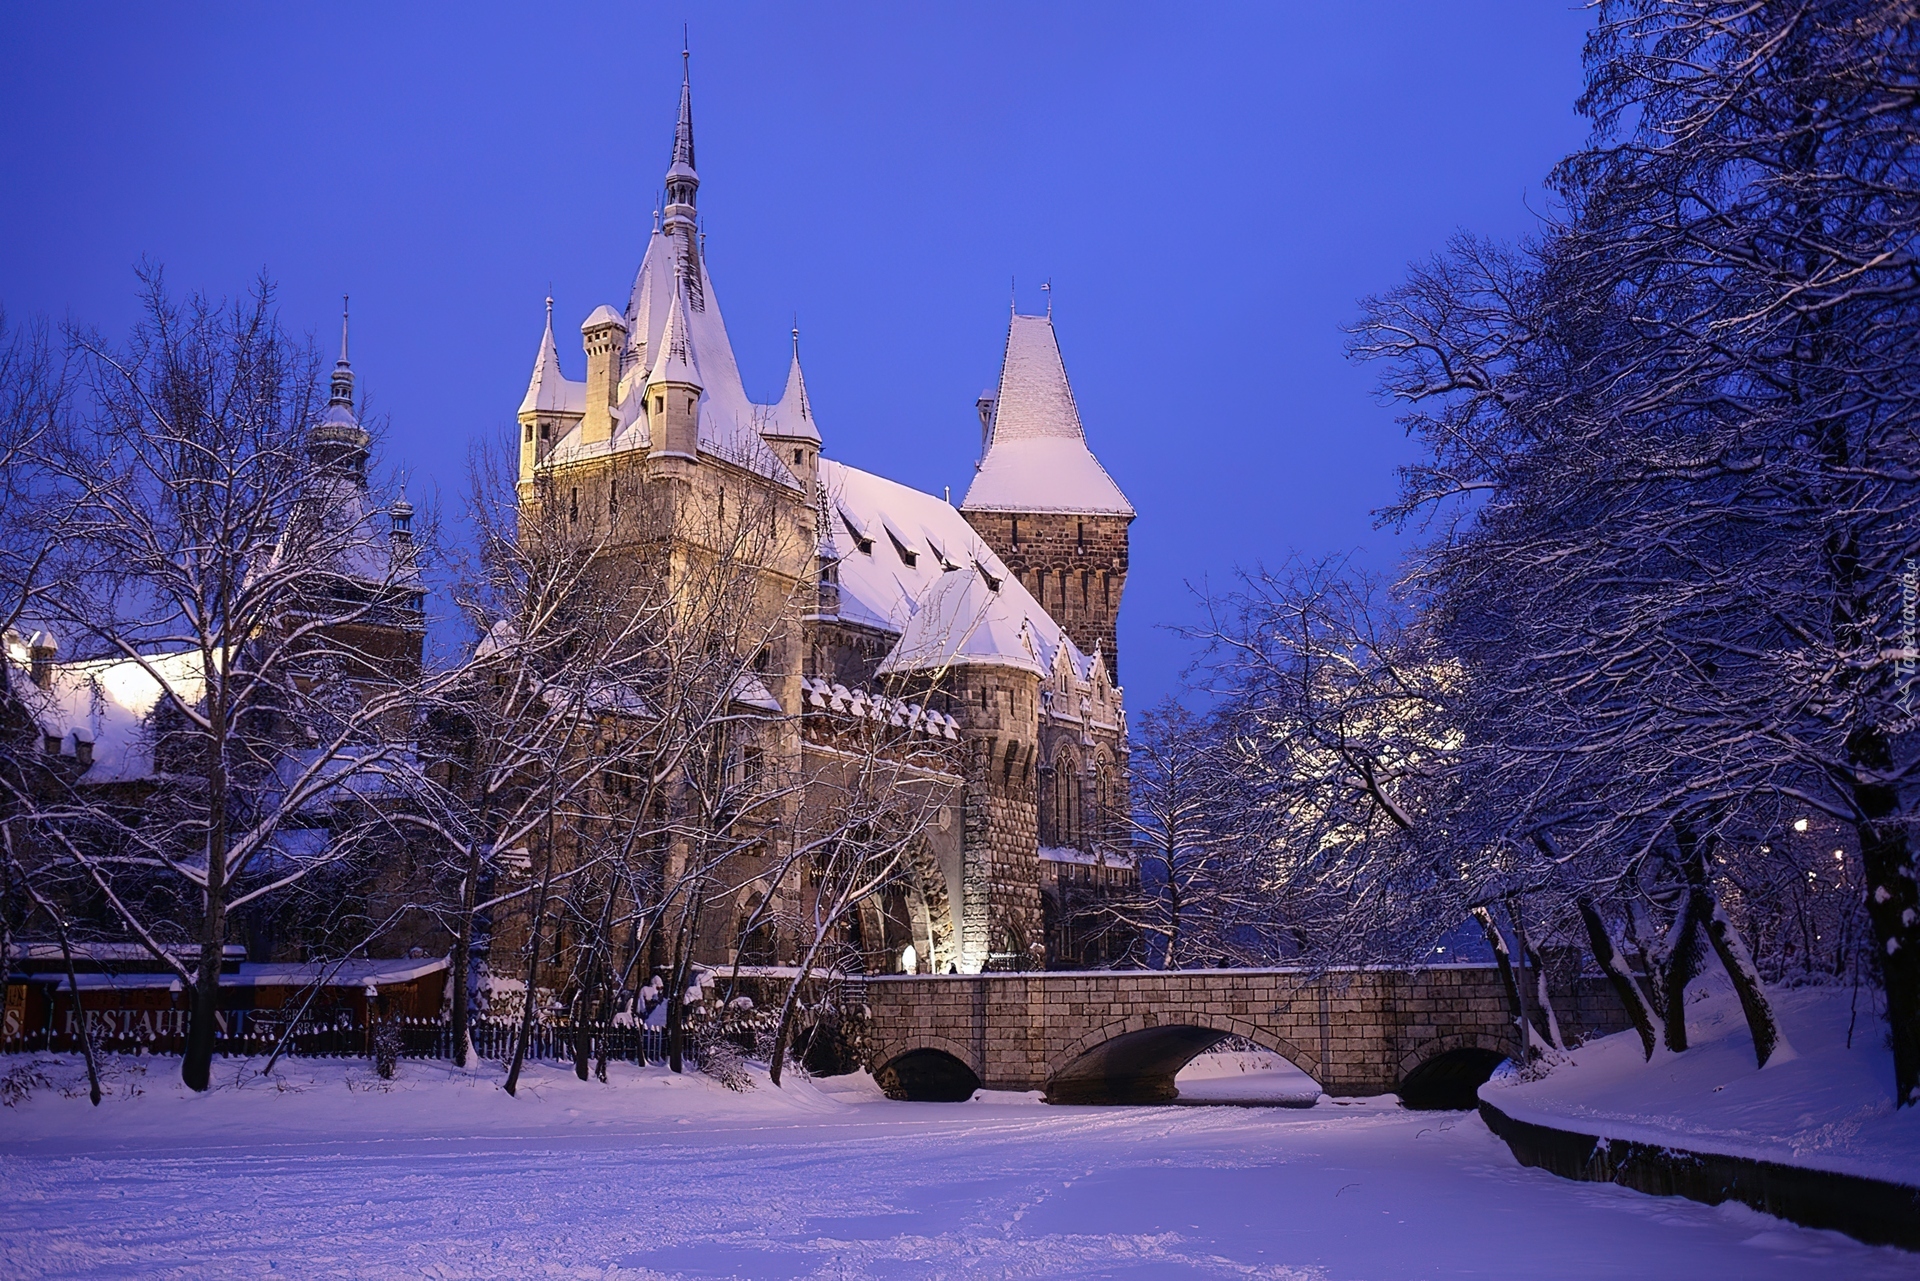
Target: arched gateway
1121	1036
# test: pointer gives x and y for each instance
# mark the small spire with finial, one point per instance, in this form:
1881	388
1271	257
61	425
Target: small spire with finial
1046	287
340	386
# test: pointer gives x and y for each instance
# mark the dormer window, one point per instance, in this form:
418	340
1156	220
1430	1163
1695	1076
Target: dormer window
860	540
993	584
82	752
908	557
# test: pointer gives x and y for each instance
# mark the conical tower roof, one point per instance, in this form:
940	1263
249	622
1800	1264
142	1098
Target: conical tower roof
792	417
676	362
549	391
1037	458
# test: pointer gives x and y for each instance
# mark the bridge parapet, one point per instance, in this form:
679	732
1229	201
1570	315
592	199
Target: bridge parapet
1122	1035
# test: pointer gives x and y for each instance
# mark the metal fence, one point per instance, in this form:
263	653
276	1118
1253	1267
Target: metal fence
417	1039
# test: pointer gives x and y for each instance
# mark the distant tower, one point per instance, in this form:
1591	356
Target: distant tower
337	439
1043	501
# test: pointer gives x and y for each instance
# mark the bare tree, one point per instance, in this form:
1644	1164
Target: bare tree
223	552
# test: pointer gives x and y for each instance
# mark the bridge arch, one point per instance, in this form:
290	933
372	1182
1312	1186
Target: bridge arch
1448	1071
1135	1060
929	1069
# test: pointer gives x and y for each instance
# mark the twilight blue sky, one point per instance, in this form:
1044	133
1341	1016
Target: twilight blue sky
1210	188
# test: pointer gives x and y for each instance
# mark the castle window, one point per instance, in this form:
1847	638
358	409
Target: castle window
573	504
529	436
796	455
546	431
908	557
659	404
1080	534
860	540
1016	531
613	501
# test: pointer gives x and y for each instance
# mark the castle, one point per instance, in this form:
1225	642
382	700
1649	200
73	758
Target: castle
990	627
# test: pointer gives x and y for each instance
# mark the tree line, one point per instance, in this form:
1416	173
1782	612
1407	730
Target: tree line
1646	681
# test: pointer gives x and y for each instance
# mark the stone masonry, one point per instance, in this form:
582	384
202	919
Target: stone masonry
1075	566
1122	1035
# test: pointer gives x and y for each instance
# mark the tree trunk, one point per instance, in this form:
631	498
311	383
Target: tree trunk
784	1029
196	1064
1893	906
1614	965
1683	964
1498	943
1541	1015
1738	962
461	1031
527	997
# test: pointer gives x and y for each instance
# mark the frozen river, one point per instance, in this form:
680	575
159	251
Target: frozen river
680	1179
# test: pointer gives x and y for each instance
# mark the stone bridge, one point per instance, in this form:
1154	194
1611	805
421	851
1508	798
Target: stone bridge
1120	1036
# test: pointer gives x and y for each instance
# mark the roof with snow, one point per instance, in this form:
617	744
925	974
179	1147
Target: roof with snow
792	417
107	702
910	564
1037	458
549	391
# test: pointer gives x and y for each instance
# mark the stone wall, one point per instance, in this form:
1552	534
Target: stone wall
1001	919
1075	566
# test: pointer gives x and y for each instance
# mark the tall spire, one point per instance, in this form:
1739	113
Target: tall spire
337	439
682	181
341	385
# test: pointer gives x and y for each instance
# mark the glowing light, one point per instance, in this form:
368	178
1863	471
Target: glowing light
909	960
1799	824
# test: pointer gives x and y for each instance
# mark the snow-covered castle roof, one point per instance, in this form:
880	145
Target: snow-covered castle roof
908	563
1036	457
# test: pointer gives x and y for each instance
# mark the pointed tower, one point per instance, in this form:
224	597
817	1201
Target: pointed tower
789	429
552	406
673	388
1043	501
337	439
681	217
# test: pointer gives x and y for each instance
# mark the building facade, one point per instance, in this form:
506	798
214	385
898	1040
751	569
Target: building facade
990	627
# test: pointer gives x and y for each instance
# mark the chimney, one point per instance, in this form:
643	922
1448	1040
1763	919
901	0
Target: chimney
40	651
603	334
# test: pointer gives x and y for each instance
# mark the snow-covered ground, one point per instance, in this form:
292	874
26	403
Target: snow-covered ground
330	1172
1818	1103
1254	1078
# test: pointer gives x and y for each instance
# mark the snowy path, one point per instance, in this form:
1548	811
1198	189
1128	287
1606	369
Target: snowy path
851	1186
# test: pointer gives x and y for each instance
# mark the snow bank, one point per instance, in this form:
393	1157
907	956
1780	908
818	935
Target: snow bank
1826	1107
307	1100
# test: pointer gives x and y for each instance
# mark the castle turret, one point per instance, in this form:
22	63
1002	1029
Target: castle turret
673	389
551	407
1043	501
789	429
